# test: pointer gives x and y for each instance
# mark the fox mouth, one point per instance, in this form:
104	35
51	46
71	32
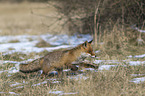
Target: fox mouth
90	55
94	56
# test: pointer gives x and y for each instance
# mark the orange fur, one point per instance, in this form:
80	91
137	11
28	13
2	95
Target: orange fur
57	59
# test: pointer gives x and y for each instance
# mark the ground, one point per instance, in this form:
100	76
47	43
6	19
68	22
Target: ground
25	38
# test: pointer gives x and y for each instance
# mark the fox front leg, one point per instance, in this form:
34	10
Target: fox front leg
72	67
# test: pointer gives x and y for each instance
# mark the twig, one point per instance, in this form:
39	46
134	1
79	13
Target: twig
95	30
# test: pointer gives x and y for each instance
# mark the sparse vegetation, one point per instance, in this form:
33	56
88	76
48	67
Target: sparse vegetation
14	57
14	41
113	82
115	41
43	43
11	48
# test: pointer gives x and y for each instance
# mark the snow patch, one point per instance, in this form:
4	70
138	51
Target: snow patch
16	83
137	56
13	93
26	45
135	63
106	67
44	82
136	28
138	80
59	93
78	77
137	75
56	92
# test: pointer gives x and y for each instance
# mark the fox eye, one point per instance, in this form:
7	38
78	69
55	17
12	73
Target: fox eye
90	51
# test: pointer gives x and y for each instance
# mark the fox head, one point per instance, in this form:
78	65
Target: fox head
87	48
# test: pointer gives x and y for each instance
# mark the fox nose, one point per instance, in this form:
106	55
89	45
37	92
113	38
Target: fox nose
94	56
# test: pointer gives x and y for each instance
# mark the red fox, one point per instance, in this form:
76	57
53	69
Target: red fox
57	59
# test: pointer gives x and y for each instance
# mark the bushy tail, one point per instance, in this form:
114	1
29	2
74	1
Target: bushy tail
31	67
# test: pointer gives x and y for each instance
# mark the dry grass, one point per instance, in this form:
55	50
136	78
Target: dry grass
16	19
119	42
43	43
115	82
27	18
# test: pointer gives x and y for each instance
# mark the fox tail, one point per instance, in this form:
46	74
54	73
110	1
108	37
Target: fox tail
31	67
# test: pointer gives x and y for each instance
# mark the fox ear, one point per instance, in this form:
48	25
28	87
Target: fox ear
85	44
90	41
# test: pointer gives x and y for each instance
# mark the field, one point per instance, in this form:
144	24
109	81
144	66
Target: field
25	36
28	18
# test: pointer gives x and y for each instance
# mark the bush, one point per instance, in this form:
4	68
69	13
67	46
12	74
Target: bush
80	13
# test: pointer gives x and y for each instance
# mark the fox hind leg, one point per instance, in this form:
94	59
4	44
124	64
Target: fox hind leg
45	72
59	71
